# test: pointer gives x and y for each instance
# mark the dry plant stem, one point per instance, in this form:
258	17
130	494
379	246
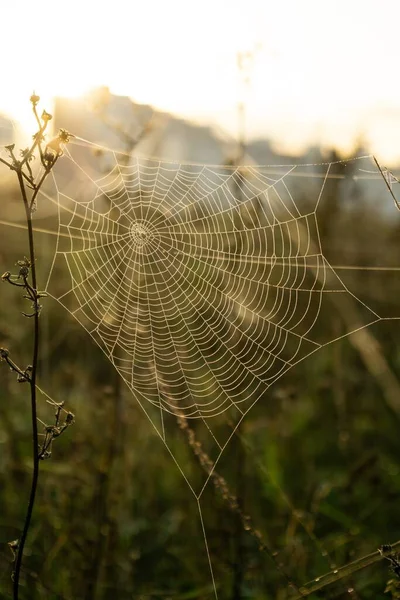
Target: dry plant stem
32	383
24	175
338	574
48	158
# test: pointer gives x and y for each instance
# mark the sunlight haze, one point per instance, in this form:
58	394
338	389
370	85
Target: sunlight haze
321	72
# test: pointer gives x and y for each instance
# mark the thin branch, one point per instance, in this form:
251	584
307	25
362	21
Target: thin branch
14	167
38	138
23	375
333	576
9	165
48	168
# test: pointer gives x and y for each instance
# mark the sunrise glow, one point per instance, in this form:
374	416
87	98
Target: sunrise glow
321	72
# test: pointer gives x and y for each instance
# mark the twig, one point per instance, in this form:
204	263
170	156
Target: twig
346	571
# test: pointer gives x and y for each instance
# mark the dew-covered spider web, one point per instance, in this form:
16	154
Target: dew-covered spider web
203	285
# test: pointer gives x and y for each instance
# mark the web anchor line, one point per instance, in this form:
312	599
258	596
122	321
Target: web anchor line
389	179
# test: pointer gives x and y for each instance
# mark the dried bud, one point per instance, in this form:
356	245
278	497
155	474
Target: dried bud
34	99
10	147
23	272
24	263
49	157
25	153
69	419
6	276
14	547
64	136
54	146
4	353
46	116
45	455
39	137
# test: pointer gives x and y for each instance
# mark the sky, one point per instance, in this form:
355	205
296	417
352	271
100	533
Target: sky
320	71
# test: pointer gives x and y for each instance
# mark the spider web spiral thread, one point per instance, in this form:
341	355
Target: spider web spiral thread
209	278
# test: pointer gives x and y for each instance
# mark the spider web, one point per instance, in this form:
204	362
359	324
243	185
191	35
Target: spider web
203	285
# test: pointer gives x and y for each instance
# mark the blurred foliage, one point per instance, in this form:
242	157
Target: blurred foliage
314	467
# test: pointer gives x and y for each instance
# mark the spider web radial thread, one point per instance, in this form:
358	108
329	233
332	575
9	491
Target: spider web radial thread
207	282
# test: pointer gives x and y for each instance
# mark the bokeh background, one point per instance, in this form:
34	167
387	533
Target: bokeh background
311	480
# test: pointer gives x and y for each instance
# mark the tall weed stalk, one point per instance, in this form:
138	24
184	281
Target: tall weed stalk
31	178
